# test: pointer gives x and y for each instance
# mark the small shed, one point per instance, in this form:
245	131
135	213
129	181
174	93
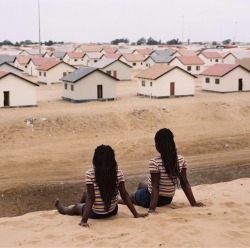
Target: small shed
226	78
16	91
115	68
89	84
162	81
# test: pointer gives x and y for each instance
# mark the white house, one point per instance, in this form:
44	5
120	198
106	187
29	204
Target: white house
88	84
157	59
137	61
161	81
16	91
191	64
74	58
52	71
229	58
226	78
34	63
90	59
210	58
21	62
115	68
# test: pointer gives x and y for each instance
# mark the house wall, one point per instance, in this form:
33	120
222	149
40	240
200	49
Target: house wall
230	59
21	66
210	62
32	71
194	71
123	72
228	83
149	62
73	61
137	65
54	74
21	93
184	85
86	88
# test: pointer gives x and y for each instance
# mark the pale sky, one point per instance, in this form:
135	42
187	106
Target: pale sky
105	20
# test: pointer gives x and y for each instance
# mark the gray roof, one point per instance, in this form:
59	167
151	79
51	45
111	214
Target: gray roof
78	74
163	52
103	63
59	55
7	58
160	58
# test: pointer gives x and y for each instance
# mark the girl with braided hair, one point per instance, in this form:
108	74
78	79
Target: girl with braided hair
166	173
103	182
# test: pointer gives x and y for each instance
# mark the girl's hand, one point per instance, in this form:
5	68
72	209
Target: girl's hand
141	215
85	224
151	211
198	204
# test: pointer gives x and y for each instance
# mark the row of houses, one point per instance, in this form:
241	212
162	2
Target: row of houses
158	80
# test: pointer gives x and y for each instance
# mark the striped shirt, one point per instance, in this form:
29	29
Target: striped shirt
99	206
167	187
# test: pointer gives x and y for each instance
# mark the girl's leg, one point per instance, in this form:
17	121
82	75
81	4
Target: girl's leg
75	210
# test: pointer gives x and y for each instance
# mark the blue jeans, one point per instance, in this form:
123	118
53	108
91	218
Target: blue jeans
143	198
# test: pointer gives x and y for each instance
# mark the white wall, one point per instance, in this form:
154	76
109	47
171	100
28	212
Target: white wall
228	83
86	88
184	84
21	93
54	74
123	72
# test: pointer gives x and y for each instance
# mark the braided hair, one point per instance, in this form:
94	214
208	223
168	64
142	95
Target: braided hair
105	167
165	145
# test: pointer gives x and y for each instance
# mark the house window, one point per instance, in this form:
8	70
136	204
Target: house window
198	68
216	60
207	80
26	66
211	60
134	64
44	74
40	73
72	87
217	81
141	63
109	72
151	84
65	86
189	68
95	60
75	60
143	83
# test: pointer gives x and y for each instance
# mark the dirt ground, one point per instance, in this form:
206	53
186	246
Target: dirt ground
45	150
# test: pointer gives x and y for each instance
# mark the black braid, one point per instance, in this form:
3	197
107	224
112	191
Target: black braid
165	145
106	173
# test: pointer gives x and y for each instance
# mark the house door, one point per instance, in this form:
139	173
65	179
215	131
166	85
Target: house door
6	98
172	89
99	91
240	84
115	74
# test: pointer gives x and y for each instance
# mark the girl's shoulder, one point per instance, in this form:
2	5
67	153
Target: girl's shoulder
182	161
156	159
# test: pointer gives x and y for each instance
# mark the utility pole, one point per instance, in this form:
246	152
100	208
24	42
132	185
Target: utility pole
39	28
235	32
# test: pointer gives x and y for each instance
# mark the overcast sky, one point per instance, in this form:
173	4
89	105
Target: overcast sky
105	20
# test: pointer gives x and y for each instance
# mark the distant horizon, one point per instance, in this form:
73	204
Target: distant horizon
83	21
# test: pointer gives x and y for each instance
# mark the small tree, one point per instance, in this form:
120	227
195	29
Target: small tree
226	42
141	41
151	41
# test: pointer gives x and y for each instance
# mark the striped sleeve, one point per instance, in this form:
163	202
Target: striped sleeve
120	176
182	163
89	177
153	167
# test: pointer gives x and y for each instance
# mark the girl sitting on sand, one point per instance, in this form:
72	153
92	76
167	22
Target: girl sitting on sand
166	172
103	182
